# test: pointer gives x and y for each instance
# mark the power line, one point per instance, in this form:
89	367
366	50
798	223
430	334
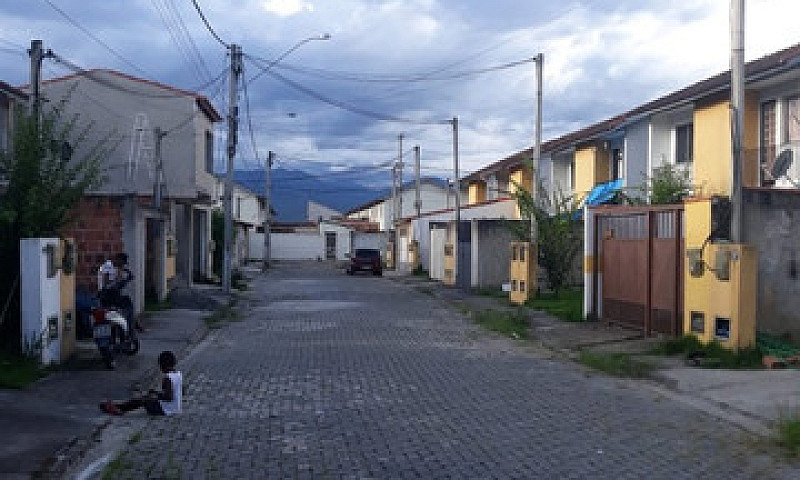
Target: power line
96	38
372	78
175	26
208	25
344	105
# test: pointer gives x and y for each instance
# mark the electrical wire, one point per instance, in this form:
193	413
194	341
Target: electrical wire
96	38
372	78
207	24
344	105
175	26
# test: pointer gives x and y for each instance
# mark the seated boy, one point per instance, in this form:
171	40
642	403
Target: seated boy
165	402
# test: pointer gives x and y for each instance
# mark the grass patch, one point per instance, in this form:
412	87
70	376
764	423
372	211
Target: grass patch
491	292
420	272
18	371
116	468
511	324
238	280
222	316
567	305
788	434
135	438
617	364
151	305
710	355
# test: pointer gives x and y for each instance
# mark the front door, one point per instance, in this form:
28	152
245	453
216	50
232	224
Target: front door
330	245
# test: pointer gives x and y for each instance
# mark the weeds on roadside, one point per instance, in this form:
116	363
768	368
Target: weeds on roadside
710	355
491	292
509	323
617	364
19	371
116	468
222	316
788	434
566	305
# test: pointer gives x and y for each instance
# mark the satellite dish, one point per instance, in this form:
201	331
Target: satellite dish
782	163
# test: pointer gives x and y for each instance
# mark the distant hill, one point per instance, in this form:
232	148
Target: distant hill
291	189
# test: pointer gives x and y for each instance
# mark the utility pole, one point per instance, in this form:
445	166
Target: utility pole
457	191
418	200
233	119
267	214
158	192
737	112
36	54
400	176
537	152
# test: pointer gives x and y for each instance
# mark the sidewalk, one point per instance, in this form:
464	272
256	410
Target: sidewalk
55	418
755	400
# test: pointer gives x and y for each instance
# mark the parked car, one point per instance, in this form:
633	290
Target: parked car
366	259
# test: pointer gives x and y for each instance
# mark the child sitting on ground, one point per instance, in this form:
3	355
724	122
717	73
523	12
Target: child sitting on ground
165	402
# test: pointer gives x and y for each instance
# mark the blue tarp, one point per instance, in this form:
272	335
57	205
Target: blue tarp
603	193
600	194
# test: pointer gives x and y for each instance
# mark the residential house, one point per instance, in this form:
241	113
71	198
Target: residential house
316	212
247	214
689	129
435	194
332	240
11	100
120	112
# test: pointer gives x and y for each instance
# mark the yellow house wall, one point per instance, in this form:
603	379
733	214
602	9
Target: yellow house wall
734	298
712	146
477	192
67	303
521	269
750	176
585	170
519	179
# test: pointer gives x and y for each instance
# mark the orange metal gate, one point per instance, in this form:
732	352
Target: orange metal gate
641	253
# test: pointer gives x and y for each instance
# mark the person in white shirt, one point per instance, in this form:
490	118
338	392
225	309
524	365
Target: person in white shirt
165	402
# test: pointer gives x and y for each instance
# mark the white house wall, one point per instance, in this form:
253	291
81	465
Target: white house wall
113	112
297	246
636	150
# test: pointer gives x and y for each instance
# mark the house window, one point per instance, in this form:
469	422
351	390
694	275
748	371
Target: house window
209	152
616	164
791	123
768	138
238	207
684	138
572	175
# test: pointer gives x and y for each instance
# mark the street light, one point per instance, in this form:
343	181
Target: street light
324	36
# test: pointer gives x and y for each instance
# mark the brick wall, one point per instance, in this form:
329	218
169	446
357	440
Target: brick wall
97	230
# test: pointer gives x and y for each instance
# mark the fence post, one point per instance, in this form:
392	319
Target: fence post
648	321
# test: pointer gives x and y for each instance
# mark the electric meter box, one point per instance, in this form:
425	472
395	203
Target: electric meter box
47	291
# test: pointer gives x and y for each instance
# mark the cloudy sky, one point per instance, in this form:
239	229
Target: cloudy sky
417	60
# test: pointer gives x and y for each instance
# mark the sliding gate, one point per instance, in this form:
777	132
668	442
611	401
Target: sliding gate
640	284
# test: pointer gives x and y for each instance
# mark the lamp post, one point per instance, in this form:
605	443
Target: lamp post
268	67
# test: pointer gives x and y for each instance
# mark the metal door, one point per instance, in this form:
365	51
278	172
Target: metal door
330	245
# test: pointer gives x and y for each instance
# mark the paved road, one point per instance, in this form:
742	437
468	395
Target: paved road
331	376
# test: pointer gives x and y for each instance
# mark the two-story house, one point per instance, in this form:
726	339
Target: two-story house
119	113
11	100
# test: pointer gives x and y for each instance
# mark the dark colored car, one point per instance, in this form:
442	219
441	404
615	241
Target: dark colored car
366	259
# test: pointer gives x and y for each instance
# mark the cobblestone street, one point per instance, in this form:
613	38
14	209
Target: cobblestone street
332	376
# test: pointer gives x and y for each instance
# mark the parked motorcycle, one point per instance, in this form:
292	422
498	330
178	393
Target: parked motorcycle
113	330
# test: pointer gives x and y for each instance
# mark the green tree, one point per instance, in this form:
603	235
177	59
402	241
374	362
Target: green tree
667	186
44	182
559	228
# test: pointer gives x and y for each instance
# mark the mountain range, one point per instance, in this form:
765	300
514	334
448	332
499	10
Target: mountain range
292	189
